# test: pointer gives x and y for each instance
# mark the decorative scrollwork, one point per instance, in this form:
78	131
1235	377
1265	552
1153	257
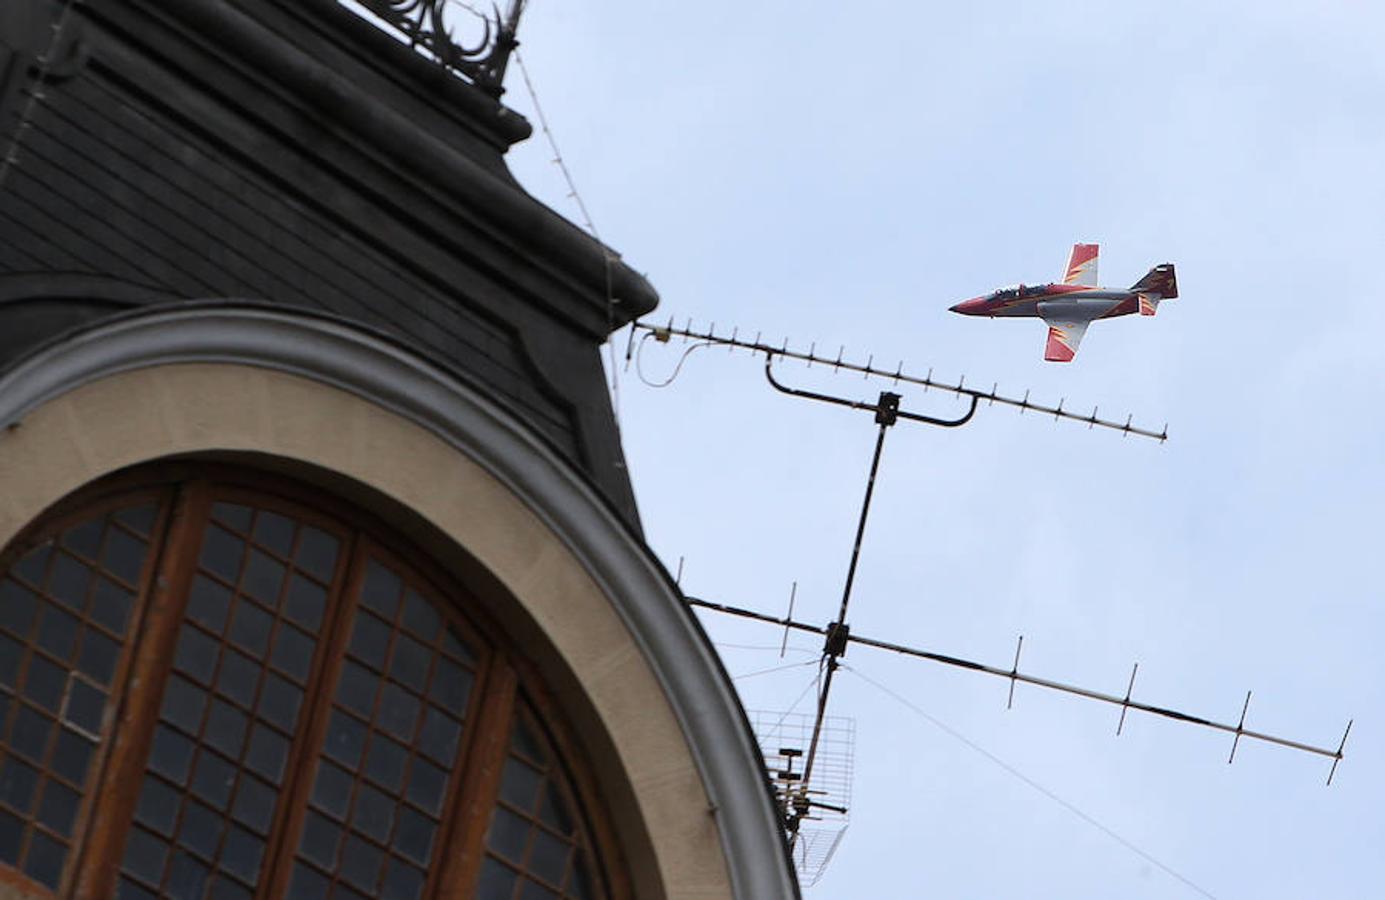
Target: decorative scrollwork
426	25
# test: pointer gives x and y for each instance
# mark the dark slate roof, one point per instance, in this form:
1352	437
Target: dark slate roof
294	153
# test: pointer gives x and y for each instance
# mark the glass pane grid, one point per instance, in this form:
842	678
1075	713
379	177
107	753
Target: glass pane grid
64	609
393	736
535	847
311	551
229	713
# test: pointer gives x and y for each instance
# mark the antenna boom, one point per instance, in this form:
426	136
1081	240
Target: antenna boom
896	375
1013	674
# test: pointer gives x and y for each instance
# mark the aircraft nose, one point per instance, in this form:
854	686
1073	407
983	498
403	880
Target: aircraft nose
967	307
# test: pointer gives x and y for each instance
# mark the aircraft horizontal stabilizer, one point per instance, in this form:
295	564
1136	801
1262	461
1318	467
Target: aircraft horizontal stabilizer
1160	282
1148	304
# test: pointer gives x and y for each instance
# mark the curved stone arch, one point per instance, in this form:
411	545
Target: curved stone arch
239	377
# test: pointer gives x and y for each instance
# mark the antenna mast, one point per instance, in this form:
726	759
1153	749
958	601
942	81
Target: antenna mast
798	800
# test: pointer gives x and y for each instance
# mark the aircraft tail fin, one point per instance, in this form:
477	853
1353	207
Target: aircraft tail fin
1159	284
1081	268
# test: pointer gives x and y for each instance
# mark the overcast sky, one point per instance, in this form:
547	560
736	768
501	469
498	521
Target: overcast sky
842	174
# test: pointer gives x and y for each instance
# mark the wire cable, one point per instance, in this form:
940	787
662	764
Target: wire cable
1090	820
639	362
790	711
797	665
587	222
763	647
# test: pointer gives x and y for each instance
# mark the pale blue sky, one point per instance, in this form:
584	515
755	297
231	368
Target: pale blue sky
842	174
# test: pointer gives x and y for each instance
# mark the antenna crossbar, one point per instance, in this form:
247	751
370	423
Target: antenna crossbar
897	375
1013	674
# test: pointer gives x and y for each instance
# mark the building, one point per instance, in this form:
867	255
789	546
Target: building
322	574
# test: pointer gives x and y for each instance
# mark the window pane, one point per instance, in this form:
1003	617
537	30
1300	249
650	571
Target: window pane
139	519
381	589
227	720
531	828
18	606
30	732
497	881
508	835
44	860
279	702
332	789
385	762
392	740
233	514
196	654
33	566
69	581
98	656
306	602
58	808
317	553
123	555
63	614
85	706
85	539
275	532
208	603
11	837
293	652
11	656
254	806
221	554
111	605
321	838
264	578
187	878
307	884
402	882
71	756
519	784
157	806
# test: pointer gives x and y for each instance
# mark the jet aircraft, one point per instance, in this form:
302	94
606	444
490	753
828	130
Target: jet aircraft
1070	306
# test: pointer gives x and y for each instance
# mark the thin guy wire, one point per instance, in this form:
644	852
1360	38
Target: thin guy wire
587	222
797	700
762	647
1090	820
11	152
797	665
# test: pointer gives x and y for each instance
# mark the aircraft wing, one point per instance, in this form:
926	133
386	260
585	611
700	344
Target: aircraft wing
1064	335
1082	265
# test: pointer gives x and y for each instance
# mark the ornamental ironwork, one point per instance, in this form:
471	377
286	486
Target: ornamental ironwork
427	25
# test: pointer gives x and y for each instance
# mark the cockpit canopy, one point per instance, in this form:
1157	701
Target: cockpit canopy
1013	291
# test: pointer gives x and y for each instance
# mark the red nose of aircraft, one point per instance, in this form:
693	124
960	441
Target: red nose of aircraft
972	307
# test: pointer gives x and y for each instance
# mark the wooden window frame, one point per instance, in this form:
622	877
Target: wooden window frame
504	680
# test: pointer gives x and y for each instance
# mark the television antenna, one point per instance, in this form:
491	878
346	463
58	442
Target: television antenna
696	340
800	800
823	810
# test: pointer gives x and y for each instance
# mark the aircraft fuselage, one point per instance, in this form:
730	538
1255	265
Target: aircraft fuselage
1052	301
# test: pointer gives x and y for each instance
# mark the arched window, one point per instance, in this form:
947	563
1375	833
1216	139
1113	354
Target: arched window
213	684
